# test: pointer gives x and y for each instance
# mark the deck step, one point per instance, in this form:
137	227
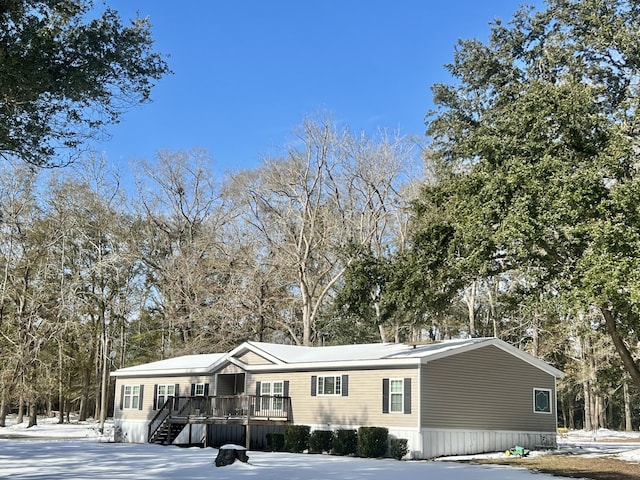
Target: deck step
167	433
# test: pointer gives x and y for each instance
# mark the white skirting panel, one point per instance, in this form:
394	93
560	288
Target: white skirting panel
188	436
130	431
439	442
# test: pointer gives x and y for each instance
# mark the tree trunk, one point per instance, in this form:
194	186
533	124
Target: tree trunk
82	409
492	306
535	335
60	384
470	301
621	348
588	413
383	333
306	309
572	410
104	384
33	419
20	417
627	407
601	413
3	409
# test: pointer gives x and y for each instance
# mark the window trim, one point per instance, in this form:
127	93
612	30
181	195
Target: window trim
337	385
165	396
129	396
195	390
270	400
406	395
396	394
536	391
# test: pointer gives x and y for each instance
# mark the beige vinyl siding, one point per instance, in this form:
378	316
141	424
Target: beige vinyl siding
230	368
147	412
362	406
251	358
486	389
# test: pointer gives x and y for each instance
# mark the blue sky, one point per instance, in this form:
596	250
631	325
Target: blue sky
246	72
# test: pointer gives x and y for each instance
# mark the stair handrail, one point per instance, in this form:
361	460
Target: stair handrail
158	420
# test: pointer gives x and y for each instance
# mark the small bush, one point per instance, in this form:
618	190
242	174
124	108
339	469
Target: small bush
398	448
296	438
320	441
275	442
345	442
373	441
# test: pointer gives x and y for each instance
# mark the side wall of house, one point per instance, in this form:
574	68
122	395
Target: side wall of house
483	400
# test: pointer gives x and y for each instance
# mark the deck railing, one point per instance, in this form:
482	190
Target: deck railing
235	406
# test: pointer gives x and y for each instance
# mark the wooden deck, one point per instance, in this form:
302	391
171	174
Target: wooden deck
179	412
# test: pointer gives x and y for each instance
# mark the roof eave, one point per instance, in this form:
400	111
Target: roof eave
174	372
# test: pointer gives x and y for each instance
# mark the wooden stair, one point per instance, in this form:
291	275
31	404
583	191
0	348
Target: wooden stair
167	433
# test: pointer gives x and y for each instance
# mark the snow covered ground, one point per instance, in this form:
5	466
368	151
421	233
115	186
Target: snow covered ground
80	452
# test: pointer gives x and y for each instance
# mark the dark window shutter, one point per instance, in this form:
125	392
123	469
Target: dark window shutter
176	390
206	389
141	397
314	382
385	395
193	389
345	385
121	396
258	385
285	389
155	396
407	395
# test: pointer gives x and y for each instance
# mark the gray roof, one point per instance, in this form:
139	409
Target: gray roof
185	364
368	351
291	357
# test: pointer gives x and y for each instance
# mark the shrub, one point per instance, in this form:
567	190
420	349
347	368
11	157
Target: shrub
398	448
320	441
296	438
345	442
275	441
373	441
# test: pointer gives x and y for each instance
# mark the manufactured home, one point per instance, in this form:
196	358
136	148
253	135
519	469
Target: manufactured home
447	398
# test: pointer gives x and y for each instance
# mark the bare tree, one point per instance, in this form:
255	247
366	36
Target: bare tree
182	213
330	191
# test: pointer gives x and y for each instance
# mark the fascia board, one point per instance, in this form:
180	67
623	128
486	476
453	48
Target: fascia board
250	347
161	372
258	351
536	362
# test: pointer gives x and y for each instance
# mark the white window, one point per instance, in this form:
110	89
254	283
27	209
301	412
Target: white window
164	392
330	385
278	391
396	395
131	398
199	390
542	400
270	395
